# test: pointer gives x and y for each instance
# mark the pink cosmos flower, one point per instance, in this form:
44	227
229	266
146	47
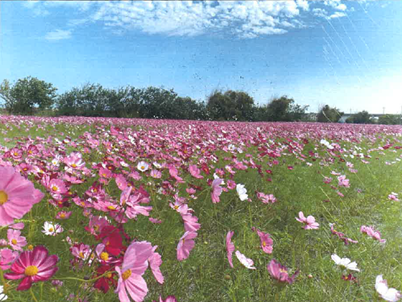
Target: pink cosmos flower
247	262
186	244
266	198
280	272
309	222
7	257
15	239
266	241
216	190
134	265
155	262
343	181
63	215
155	173
393	196
154	220
33	266
190	222
372	233
341	236
57	186
74	161
17	195
195	172
230	247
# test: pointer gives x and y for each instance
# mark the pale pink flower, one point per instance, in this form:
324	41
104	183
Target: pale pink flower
195	172
134	265
266	241
17	195
155	262
15	240
309	222
7	257
372	233
216	190
343	181
247	262
388	294
186	244
230	247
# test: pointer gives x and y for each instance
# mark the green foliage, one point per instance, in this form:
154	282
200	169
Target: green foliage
284	109
390	119
231	105
329	114
27	95
362	117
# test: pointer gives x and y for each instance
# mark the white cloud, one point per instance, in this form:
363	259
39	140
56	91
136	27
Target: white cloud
58	34
245	19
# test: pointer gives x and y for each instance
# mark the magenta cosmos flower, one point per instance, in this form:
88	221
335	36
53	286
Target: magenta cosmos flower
33	266
230	247
266	241
280	272
309	221
17	195
186	244
134	265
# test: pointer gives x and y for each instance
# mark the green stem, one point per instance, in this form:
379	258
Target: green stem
33	295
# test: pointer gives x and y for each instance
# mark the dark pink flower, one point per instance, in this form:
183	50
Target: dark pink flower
33	266
280	272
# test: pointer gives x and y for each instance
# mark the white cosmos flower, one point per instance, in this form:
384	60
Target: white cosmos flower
247	262
142	166
388	294
3	297
345	262
52	229
242	192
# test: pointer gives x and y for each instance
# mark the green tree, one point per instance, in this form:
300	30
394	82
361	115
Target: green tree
284	109
231	105
329	114
362	117
390	119
27	95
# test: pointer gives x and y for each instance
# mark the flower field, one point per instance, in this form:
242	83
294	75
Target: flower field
97	209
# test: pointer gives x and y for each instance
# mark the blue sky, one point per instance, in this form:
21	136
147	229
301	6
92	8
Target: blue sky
346	54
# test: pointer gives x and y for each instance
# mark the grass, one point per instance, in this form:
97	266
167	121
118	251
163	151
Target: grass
206	274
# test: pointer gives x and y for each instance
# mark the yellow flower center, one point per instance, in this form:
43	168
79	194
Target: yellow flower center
51	229
62	215
126	274
15	154
81	254
74	165
108	275
176	207
14	241
30	247
3	197
142	167
31	270
54	188
282	270
264	243
111	208
104	256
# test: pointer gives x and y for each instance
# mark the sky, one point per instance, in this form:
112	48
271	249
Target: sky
345	54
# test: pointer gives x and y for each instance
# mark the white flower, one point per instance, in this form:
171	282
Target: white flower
142	166
52	229
3	297
157	165
345	262
247	262
388	294
242	192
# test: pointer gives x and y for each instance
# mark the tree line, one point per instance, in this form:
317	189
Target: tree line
31	96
